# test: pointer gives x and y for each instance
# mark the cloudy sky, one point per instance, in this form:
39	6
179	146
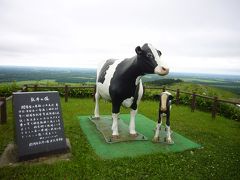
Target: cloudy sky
194	36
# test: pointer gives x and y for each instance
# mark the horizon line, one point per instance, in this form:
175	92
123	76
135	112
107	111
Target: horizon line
95	68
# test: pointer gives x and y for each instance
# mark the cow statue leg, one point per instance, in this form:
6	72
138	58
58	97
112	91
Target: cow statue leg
168	131
115	133
134	108
115	113
156	137
96	111
132	130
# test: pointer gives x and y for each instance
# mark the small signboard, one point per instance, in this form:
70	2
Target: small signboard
39	126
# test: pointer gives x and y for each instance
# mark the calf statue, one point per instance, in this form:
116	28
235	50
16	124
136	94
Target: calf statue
164	108
119	81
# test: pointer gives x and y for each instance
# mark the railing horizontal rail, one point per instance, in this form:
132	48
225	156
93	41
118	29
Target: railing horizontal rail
66	89
146	88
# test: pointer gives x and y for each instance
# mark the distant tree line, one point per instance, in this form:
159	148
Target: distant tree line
162	82
11	74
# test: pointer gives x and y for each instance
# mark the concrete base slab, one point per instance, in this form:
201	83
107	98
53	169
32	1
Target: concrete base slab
9	157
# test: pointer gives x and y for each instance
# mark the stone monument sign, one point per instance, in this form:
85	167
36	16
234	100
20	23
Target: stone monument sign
39	126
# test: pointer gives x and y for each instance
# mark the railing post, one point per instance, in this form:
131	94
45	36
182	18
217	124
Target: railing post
214	107
164	89
66	93
25	88
35	87
3	118
193	104
177	97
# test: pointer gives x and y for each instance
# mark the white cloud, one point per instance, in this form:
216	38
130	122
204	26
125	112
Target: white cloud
211	65
82	33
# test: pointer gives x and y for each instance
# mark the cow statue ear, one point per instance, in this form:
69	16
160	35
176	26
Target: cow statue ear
138	50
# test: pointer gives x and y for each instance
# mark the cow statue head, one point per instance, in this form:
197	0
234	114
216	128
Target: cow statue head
150	60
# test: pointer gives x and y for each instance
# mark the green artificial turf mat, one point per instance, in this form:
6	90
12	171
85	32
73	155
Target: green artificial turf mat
144	126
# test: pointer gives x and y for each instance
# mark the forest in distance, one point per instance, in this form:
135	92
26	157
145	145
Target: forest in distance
81	75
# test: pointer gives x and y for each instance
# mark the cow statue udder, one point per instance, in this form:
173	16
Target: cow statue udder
120	82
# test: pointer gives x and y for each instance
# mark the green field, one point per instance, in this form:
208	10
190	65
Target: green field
218	159
222	82
205	90
10	74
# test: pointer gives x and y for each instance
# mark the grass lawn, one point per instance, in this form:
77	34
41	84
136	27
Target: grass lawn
219	158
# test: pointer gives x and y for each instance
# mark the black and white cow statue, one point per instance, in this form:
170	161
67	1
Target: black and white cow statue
120	82
164	109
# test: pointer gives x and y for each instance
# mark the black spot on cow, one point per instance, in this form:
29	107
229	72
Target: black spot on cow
134	104
104	69
122	85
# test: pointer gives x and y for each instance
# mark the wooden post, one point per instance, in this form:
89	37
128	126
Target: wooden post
214	107
193	104
35	87
177	97
164	88
66	93
3	107
25	88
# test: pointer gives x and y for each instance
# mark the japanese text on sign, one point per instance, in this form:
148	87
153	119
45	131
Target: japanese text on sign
40	121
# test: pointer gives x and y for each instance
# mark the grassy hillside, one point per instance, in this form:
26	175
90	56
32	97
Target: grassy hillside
227	82
218	159
204	90
201	89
